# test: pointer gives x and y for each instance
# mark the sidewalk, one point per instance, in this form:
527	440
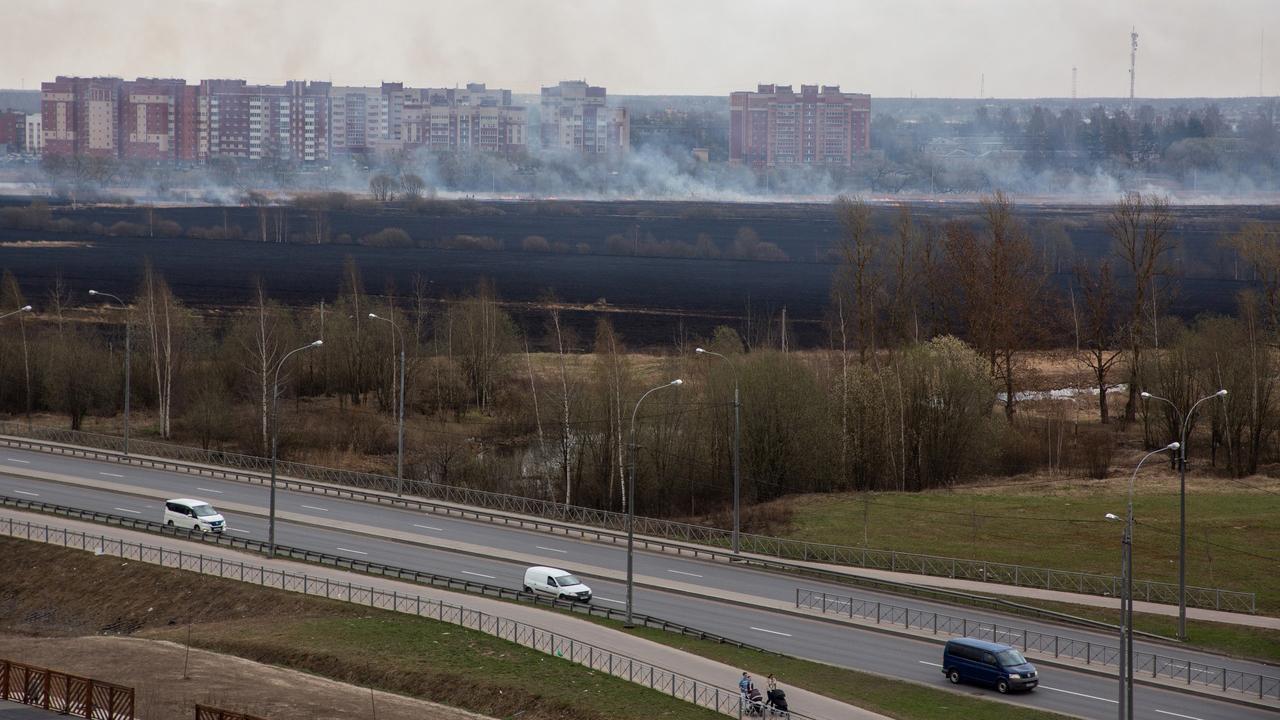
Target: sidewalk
702	669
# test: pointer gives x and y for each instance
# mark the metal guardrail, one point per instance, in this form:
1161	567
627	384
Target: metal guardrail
597	658
1033	641
372	568
782	548
207	712
63	693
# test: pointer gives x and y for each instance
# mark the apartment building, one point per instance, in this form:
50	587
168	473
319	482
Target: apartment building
576	116
287	122
365	119
34	142
13	131
158	120
474	119
80	116
776	126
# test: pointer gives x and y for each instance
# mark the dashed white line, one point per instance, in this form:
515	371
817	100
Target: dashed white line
541	547
1069	692
771	632
135	512
352	551
111	474
428	527
926	662
218	492
24	492
243	532
24	462
681	572
601	599
468	572
1166	712
313	507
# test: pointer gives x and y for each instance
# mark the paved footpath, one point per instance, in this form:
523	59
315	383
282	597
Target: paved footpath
14	711
699	668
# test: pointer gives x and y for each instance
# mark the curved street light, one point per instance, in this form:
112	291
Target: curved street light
737	446
275	429
1126	594
631	498
400	423
128	352
1184	423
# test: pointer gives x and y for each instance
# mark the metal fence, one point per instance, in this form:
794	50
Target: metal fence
932	565
549	642
65	694
1041	643
206	712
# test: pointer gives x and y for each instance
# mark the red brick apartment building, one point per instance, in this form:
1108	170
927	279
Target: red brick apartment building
775	126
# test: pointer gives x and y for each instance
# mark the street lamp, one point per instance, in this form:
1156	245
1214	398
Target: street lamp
128	342
24	308
737	447
1184	423
1126	596
275	429
400	444
631	497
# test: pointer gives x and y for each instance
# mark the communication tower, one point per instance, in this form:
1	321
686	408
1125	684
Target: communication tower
1073	83
1133	61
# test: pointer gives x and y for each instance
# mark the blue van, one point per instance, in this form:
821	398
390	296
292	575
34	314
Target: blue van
989	663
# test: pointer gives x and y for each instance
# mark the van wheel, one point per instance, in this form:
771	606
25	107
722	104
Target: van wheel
1002	687
170	523
954	676
526	589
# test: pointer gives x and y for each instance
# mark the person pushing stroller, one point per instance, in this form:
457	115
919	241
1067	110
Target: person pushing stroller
777	697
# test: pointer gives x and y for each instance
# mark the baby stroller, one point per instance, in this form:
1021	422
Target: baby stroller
753	702
778	703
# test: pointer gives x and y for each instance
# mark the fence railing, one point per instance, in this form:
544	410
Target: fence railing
1047	644
783	548
206	712
63	693
597	658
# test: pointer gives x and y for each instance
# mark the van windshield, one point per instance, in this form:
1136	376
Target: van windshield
1010	658
204	510
567	580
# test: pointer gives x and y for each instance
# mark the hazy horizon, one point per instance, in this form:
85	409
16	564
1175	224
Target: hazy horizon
889	48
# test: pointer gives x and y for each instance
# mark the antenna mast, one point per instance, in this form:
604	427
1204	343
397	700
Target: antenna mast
1073	83
982	86
1133	62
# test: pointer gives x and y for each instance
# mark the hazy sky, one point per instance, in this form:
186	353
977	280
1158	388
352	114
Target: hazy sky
1025	48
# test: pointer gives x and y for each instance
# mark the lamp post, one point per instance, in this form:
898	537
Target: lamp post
1184	422
275	429
128	343
737	447
400	442
631	497
24	308
1126	596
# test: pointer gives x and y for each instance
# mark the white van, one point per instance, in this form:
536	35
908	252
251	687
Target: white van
557	583
193	514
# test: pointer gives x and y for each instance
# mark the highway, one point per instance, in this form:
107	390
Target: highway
140	493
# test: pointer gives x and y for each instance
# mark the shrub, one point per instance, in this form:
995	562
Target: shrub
535	243
388	238
127	229
1097	449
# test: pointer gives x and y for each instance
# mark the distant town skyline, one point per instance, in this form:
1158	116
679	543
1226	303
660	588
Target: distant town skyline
889	48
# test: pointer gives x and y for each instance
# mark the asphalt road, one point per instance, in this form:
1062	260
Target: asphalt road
1065	691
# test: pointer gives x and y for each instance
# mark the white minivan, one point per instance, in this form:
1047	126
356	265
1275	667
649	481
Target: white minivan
557	583
193	515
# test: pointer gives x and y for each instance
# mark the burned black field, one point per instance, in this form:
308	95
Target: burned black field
652	300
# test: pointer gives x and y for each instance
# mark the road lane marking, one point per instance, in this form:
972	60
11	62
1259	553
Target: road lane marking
771	632
926	662
1091	697
24	492
24	462
468	572
601	599
219	492
352	551
135	512
110	474
429	527
540	547
1166	712
313	507
681	572
245	532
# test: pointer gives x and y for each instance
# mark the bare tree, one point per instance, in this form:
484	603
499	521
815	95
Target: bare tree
1097	337
382	187
1140	228
856	279
412	186
164	324
261	336
483	336
613	372
1259	246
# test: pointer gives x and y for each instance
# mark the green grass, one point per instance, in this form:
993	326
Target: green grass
894	698
1066	529
443	663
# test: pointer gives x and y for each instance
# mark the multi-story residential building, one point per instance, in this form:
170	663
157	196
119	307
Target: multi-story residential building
13	131
362	118
80	116
472	119
34	142
158	120
576	116
817	126
287	122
